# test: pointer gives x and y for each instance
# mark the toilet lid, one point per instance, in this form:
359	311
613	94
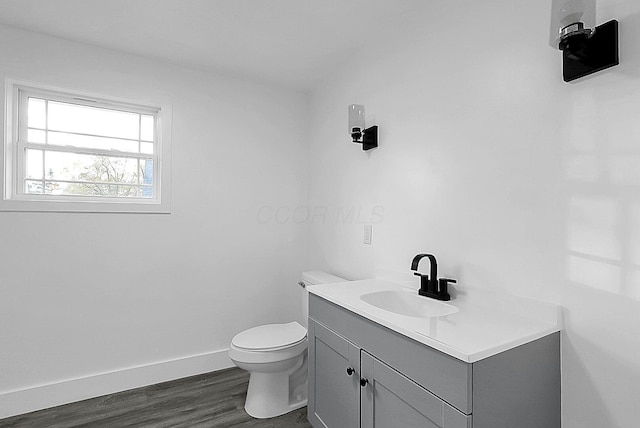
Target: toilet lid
270	336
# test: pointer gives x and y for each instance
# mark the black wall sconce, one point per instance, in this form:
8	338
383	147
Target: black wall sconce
367	137
584	50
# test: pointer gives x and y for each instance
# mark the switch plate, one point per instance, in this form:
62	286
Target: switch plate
367	233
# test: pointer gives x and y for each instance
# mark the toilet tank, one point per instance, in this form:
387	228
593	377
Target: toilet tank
312	278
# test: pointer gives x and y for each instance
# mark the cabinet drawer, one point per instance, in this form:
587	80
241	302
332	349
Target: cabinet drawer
444	376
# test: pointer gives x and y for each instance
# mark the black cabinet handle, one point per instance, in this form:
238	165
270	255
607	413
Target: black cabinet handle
364	381
350	371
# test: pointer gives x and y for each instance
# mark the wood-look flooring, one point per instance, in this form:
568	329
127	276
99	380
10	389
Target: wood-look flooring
210	400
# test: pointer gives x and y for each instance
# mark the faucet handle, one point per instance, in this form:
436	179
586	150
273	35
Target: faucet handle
424	283
443	289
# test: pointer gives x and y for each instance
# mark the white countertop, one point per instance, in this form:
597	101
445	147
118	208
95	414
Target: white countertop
485	325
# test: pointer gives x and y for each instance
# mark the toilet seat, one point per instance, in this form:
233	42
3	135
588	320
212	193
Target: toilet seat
270	337
241	355
269	343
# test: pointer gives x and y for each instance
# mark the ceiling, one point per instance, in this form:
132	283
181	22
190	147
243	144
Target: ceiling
293	43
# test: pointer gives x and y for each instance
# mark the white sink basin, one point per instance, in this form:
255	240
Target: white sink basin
408	303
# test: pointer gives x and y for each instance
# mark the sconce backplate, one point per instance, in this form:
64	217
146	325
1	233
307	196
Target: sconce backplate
370	138
598	52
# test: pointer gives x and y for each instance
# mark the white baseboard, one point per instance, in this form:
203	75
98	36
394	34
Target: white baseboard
71	390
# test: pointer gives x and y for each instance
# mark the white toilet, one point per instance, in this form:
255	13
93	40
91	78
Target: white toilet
275	355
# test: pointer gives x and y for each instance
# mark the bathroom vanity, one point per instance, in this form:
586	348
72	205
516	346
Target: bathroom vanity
486	363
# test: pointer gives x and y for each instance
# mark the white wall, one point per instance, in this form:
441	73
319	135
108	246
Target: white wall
84	294
514	179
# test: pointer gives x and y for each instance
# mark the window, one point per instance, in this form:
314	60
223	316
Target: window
75	152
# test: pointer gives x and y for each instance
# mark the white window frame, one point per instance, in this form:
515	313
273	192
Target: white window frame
13	167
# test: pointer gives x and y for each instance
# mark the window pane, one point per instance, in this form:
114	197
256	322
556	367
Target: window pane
36	136
146	148
33	187
146	192
91	120
53	188
34	164
79	167
64	139
146	171
36	117
91	189
146	133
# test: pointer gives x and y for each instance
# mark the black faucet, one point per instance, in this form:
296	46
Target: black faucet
431	287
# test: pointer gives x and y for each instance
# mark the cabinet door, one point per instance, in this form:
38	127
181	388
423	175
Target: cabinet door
334	376
389	399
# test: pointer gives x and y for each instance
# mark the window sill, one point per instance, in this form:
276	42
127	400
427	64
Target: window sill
17	205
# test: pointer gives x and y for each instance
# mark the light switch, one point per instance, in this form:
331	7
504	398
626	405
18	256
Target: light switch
367	233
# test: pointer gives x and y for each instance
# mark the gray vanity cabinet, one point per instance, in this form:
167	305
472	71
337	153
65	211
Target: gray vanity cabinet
337	398
408	384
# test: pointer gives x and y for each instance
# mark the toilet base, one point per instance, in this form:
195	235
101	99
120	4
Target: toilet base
274	394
